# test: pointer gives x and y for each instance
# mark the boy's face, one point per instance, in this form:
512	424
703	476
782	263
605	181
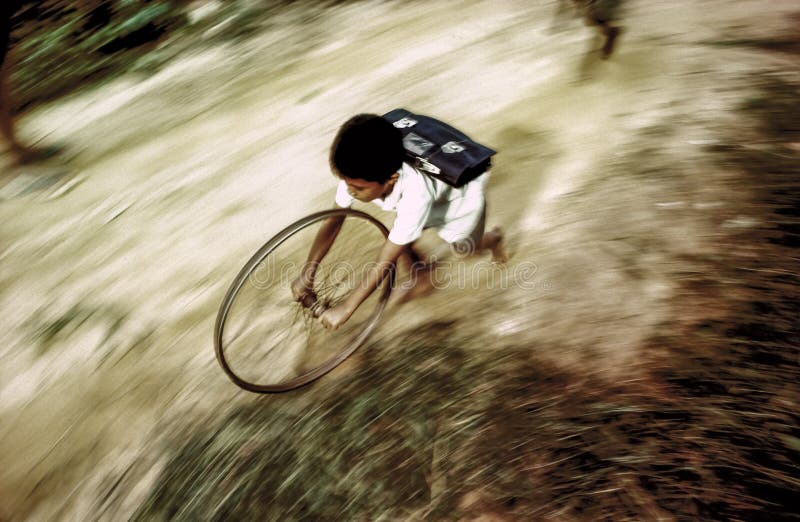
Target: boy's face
364	190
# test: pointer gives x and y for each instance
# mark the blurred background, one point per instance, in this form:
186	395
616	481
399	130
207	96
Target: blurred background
639	361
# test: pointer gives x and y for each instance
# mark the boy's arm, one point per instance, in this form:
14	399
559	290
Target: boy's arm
304	284
339	314
413	210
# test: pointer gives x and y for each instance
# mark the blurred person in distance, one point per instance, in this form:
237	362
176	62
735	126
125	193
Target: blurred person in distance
602	13
599	13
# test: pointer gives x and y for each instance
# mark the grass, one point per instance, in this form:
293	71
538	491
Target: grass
428	425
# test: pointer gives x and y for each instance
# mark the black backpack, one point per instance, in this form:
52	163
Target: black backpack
439	150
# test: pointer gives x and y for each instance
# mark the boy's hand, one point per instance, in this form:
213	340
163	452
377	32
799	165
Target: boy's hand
303	290
334	317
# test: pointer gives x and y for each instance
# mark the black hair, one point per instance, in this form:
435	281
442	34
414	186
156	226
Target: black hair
367	147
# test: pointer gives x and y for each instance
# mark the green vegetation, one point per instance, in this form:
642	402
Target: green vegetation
61	45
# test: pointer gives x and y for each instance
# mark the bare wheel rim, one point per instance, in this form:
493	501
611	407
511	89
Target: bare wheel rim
264	341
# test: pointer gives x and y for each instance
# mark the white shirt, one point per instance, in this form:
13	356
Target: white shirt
424	202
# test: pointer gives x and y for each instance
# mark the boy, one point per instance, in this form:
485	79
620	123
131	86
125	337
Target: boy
367	156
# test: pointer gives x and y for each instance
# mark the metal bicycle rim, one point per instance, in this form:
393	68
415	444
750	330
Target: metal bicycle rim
253	262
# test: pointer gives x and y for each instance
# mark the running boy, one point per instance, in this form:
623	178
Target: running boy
367	156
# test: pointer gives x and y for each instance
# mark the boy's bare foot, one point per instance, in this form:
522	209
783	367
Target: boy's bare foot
493	241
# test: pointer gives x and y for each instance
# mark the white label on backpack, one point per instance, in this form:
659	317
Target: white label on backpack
405	123
452	147
416	144
427	166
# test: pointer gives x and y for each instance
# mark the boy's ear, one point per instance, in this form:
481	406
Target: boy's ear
393	178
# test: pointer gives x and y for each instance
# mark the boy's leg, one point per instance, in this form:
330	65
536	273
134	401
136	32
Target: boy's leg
480	241
421	280
411	259
420	276
6	123
22	153
493	241
602	14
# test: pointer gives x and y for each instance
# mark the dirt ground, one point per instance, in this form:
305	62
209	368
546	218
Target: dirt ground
115	261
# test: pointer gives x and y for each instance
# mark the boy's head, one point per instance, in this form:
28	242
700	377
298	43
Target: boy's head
367	153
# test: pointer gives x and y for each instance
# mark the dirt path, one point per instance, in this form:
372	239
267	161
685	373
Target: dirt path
109	285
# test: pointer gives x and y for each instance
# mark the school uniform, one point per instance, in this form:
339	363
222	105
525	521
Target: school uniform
422	201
